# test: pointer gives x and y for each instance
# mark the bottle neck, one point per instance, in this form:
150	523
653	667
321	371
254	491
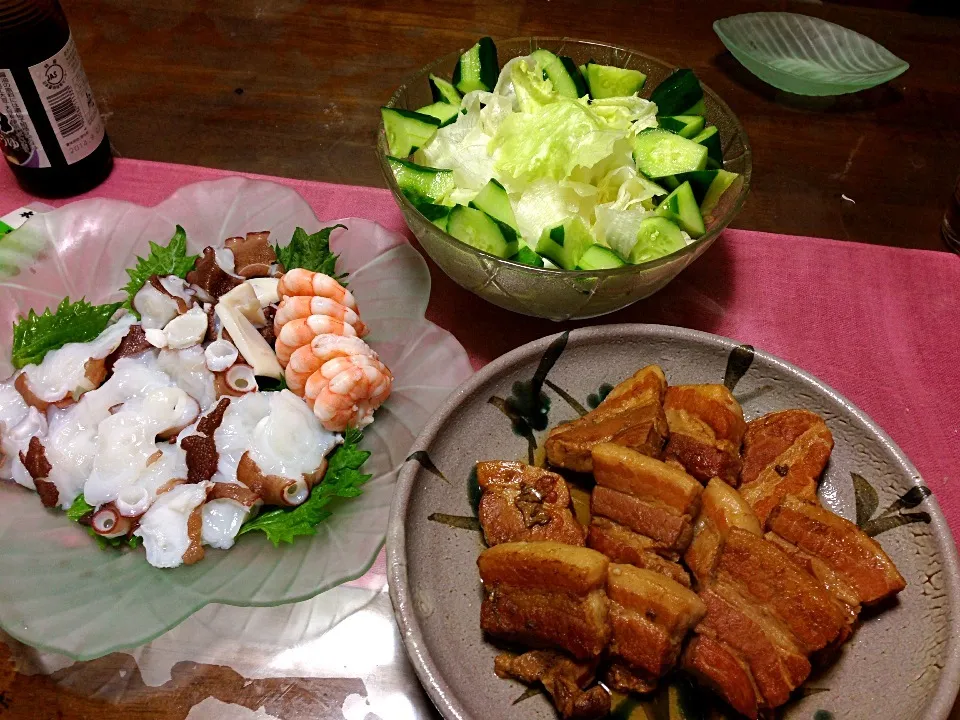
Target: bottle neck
30	31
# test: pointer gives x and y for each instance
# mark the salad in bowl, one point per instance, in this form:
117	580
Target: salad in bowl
552	164
225	394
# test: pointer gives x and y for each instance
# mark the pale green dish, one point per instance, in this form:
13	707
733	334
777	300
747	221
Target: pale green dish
806	55
58	591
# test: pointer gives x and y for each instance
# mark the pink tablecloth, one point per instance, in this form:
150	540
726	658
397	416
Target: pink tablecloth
881	325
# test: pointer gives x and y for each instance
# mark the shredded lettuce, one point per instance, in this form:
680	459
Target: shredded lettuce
557	157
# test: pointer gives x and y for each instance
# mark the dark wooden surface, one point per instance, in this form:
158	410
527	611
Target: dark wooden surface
292	87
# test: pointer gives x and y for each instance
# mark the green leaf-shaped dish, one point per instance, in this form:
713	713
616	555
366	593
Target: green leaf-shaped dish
806	55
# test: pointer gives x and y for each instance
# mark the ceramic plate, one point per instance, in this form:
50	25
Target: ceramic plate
58	591
907	655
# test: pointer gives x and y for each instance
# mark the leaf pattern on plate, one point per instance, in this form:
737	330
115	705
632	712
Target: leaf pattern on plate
806	55
64	595
867	501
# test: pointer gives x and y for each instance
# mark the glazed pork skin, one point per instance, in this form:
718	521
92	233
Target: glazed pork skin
650	615
843	547
546	595
784	453
525	503
565	680
706	429
631	415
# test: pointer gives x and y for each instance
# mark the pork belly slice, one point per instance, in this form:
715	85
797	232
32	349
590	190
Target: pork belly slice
622	545
628	471
843	547
650	615
758	571
778	667
721	509
545	595
525	503
717	667
706	428
784	453
564	679
665	526
843	593
631	415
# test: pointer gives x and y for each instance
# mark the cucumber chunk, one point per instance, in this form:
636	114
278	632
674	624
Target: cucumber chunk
442	111
526	256
710	139
562	72
481	231
656	237
407	130
687	126
597	257
606	81
721	183
678	92
659	153
477	68
437	214
566	243
700	108
704	183
681	207
421	184
443	91
492	199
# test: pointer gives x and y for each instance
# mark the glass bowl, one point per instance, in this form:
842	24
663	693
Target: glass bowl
562	294
58	591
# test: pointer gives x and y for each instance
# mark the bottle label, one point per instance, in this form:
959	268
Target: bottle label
18	137
66	96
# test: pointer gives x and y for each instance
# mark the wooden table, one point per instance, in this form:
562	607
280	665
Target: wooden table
292	88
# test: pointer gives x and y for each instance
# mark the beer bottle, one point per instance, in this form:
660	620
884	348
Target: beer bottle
51	132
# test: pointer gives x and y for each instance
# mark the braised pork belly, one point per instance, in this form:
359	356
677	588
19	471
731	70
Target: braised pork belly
706	428
778	581
546	595
650	615
784	453
521	502
856	559
565	680
631	415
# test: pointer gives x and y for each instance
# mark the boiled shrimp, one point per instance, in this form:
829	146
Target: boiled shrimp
297	333
296	307
308	359
304	282
346	391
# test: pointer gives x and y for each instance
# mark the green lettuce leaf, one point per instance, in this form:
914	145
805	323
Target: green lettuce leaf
343	479
36	335
169	260
533	91
549	143
310	252
79	508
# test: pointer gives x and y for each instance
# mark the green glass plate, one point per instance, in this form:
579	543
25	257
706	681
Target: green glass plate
806	55
58	591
